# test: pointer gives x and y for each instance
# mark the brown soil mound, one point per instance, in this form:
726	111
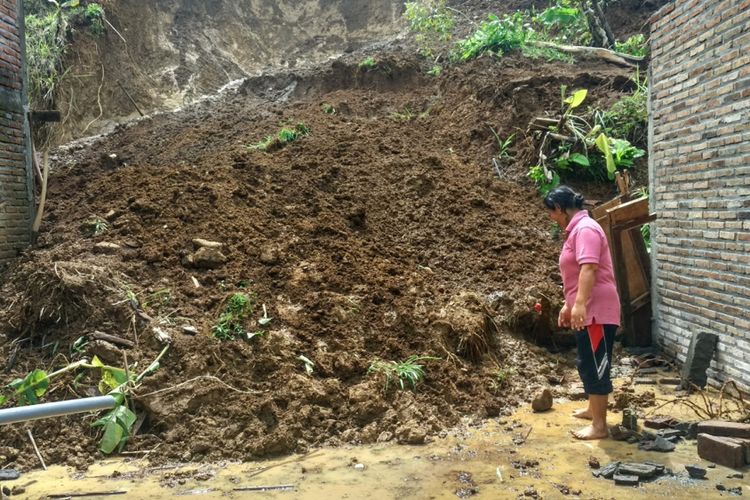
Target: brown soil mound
382	234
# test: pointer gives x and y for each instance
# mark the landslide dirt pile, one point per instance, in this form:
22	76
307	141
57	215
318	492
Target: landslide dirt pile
383	233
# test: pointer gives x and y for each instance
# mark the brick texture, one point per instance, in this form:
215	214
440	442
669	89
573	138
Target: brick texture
15	191
700	179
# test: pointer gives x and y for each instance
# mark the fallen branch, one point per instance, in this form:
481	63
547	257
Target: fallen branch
280	487
84	495
36	450
42	199
201	377
98	100
618	58
113	339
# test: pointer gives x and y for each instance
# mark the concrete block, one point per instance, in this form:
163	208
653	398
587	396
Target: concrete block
623	480
700	353
721	450
727	429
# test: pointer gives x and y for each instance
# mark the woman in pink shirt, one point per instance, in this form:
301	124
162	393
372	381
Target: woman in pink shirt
592	306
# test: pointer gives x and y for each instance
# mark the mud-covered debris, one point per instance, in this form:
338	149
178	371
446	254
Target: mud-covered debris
269	255
658	444
201	243
106	351
629	420
411	433
531	492
594	462
106	247
736	475
189	330
696	471
737	490
660	422
690	429
542	402
206	258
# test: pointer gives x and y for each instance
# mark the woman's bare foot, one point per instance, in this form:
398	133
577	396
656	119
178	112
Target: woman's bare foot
585	414
590	432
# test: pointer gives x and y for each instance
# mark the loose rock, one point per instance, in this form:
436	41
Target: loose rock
9	474
542	402
696	472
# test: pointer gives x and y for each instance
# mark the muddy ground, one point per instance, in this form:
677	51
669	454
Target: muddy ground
382	234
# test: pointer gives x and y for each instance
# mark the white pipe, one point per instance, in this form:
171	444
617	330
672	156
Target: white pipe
56	409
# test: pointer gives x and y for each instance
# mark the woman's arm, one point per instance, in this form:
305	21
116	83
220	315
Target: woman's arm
586	280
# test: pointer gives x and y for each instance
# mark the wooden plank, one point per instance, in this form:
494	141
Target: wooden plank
601	210
629	211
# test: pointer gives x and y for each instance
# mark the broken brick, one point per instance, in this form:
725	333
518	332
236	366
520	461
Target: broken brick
660	422
623	480
721	450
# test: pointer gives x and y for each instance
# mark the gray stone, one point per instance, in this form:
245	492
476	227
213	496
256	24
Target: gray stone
9	474
660	468
607	471
622	480
700	352
696	472
642	471
542	402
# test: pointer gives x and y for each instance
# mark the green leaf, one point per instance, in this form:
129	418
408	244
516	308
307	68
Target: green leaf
3	399
602	142
577	98
30	388
580	159
97	362
112	378
71	4
562	15
117	425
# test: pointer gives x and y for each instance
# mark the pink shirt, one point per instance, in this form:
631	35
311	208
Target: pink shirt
587	244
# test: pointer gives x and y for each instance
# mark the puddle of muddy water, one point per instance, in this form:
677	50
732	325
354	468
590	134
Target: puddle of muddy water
479	461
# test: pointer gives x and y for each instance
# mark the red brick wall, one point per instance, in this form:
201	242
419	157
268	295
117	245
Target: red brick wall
15	192
700	178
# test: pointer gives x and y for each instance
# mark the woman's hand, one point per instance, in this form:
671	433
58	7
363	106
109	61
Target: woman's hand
563	319
578	316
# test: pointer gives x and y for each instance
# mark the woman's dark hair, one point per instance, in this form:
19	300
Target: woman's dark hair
563	197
